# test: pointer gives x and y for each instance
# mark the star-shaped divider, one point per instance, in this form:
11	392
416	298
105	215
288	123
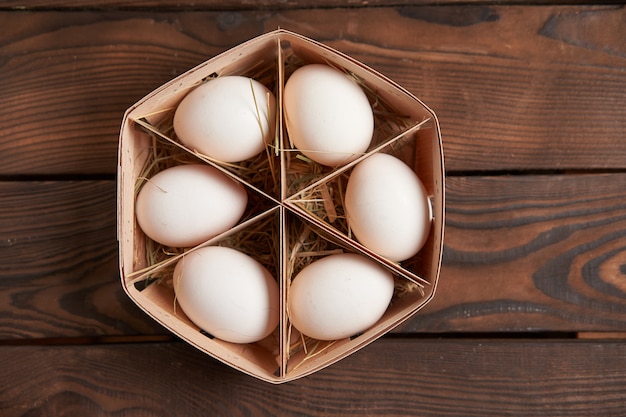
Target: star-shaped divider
295	207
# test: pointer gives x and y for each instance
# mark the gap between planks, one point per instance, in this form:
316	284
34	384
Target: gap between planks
164	338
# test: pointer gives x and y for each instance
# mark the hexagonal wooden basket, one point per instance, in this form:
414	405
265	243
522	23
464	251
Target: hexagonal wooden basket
281	204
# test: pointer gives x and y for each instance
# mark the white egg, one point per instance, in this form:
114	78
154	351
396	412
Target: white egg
328	116
228	294
387	207
339	296
229	118
185	205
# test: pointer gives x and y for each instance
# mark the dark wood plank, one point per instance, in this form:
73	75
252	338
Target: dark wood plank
69	77
59	275
538	253
532	253
392	377
516	88
256	4
513	87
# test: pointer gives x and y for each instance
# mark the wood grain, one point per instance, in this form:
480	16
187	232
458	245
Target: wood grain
522	253
253	4
59	274
516	88
512	86
532	253
388	378
530	98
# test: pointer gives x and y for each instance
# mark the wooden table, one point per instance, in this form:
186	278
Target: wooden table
530	313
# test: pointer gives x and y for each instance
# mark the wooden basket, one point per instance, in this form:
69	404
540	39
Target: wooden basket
284	206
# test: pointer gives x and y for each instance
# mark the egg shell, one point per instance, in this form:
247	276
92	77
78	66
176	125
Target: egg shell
339	296
229	118
228	294
185	205
387	207
327	114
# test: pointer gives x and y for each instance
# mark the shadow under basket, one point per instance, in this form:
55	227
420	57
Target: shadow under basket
295	206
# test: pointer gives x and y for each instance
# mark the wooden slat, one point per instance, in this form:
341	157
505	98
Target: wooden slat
69	77
532	253
235	5
516	88
392	377
59	274
538	253
513	87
